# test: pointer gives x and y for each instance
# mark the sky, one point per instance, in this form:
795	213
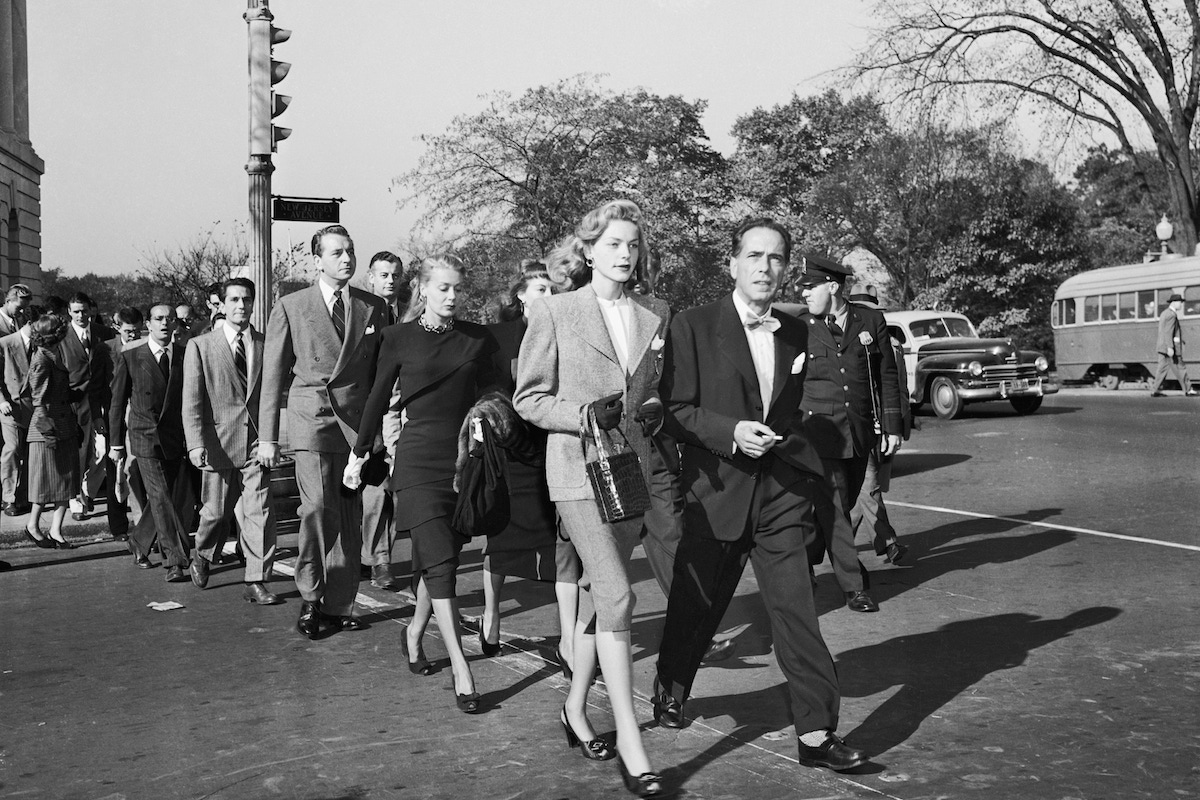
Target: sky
139	108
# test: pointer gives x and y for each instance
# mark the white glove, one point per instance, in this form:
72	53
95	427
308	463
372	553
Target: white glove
352	474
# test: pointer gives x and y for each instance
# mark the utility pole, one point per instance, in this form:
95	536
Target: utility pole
264	105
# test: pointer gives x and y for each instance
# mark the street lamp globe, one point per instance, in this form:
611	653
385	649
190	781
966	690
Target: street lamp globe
1164	230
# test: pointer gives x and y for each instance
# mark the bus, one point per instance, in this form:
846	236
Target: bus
1105	321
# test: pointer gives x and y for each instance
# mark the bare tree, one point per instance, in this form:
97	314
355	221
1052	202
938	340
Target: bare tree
1125	67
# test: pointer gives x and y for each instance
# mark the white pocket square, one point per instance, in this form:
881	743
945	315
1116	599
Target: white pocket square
798	364
370	329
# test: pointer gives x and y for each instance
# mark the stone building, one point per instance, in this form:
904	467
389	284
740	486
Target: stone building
20	168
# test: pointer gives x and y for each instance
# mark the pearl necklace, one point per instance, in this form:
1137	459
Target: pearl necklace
435	328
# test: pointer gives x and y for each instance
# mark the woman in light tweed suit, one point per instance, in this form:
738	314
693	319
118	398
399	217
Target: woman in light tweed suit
600	347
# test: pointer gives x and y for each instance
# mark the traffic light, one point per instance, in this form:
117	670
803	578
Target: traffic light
265	72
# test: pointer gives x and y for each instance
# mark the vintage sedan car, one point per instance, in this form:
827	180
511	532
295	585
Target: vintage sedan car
950	366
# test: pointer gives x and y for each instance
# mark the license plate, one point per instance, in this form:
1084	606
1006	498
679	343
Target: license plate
1018	385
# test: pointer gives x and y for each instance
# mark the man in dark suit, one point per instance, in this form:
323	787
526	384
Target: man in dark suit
321	348
16	407
87	360
148	380
221	389
125	482
1170	349
385	278
850	406
732	382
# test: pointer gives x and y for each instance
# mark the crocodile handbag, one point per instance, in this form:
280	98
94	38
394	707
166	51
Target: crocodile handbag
616	476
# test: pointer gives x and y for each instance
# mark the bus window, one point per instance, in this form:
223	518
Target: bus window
1191	301
1127	306
1163	296
1146	305
1108	307
1069	311
1056	314
1091	309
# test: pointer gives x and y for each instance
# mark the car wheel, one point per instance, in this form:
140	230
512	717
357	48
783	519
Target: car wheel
1025	405
1110	381
943	396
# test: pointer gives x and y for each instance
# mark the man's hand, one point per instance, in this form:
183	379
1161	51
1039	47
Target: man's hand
268	454
117	454
753	438
5	408
891	444
650	415
199	457
1170	352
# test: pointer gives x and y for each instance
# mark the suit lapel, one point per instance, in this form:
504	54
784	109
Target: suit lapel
732	344
256	342
149	364
356	323
645	325
785	354
316	314
589	324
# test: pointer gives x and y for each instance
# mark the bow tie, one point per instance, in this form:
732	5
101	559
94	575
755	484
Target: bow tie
766	320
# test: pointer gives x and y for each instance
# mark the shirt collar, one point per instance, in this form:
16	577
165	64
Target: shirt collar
155	350
620	302
327	290
82	331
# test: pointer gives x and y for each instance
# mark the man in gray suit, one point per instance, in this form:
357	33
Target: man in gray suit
1170	349
221	389
12	313
321	349
16	406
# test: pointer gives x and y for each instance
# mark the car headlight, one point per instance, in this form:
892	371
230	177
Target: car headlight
1042	364
975	368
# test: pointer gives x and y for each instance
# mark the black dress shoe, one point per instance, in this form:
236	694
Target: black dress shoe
346	623
308	623
199	570
120	537
175	574
719	650
17	509
860	601
668	711
142	562
257	593
896	553
833	754
381	578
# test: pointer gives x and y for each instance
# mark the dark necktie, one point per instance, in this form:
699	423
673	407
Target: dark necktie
164	365
239	360
391	316
339	316
86	341
834	328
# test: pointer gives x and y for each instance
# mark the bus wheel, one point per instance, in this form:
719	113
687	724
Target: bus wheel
943	396
1026	405
1110	381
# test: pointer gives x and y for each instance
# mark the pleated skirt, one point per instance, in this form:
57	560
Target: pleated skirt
53	472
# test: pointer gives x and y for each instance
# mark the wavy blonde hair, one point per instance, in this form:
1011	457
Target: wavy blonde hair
569	263
416	304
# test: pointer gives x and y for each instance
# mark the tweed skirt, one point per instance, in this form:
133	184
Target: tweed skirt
53	472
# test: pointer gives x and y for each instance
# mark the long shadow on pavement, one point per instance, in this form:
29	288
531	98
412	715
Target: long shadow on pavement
934	668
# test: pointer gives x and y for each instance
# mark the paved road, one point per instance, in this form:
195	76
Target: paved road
1025	656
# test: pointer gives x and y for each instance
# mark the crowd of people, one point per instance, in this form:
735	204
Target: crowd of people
755	431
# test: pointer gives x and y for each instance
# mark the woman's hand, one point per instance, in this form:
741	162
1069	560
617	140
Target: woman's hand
608	411
352	474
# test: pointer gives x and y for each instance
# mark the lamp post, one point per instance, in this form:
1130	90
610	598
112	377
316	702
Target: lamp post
1164	231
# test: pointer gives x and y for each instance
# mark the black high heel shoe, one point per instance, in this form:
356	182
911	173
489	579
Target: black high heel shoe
592	749
46	543
489	649
648	784
62	545
562	664
419	667
467	703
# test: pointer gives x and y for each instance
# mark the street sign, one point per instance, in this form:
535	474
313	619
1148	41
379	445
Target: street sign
305	209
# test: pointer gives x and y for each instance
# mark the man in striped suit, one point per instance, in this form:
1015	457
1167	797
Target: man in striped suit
221	389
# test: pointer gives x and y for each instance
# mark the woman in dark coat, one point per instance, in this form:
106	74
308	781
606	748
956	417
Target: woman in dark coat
443	366
530	547
53	431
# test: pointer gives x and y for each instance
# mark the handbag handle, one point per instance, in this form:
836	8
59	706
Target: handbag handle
587	418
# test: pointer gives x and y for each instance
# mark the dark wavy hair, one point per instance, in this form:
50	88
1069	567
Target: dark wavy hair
531	270
48	330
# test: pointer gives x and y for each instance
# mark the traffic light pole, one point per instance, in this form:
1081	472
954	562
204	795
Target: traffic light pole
259	263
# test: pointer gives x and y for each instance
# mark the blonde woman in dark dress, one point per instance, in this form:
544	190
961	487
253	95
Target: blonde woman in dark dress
443	365
53	432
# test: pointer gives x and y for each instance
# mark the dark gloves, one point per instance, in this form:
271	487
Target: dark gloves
650	415
608	411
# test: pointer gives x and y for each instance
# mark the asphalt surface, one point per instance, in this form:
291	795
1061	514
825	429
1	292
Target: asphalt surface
1045	645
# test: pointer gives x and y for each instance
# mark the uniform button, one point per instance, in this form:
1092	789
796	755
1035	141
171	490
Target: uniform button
843	370
847	405
846	388
316	358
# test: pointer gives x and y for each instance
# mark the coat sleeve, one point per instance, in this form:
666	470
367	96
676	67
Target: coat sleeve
686	419
380	398
889	379
120	398
536	398
279	356
194	392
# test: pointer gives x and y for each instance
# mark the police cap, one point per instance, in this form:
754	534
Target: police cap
819	269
